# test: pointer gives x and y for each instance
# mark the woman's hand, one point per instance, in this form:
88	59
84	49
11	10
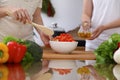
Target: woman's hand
19	14
86	25
94	73
45	38
97	32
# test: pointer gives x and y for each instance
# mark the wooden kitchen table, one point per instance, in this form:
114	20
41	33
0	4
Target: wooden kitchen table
78	54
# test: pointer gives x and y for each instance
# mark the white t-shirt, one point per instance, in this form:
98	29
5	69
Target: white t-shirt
105	11
10	27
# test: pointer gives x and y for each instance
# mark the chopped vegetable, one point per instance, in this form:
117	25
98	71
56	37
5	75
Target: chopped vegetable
16	52
64	37
63	71
3	53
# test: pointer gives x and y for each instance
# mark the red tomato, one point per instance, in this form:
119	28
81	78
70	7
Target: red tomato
64	37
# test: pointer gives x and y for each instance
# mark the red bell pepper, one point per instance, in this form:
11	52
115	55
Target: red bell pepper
16	52
16	72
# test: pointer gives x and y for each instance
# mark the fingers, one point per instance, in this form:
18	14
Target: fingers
86	25
96	33
22	15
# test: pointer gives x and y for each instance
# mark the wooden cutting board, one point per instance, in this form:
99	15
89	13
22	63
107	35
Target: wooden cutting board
78	54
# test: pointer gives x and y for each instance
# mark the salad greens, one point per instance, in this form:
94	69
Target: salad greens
104	52
105	70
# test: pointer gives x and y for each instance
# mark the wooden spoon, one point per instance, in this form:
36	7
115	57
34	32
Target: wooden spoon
42	28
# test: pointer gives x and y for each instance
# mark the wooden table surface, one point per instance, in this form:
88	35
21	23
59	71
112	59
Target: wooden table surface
78	54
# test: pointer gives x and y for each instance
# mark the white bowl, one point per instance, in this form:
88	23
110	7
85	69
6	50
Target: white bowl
62	64
63	47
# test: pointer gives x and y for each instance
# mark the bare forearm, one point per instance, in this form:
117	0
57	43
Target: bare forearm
37	18
38	21
101	28
44	38
113	24
3	12
87	10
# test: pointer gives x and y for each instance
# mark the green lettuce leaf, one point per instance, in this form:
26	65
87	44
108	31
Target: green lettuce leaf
105	51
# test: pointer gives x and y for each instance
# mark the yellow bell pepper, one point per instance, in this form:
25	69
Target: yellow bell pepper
3	53
4	72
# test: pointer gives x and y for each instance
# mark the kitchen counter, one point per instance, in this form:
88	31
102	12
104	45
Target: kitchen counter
36	72
60	70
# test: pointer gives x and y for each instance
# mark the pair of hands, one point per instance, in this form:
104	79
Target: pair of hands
18	14
96	32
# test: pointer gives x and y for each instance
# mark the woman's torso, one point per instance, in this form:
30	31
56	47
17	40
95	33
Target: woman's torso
11	27
104	11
